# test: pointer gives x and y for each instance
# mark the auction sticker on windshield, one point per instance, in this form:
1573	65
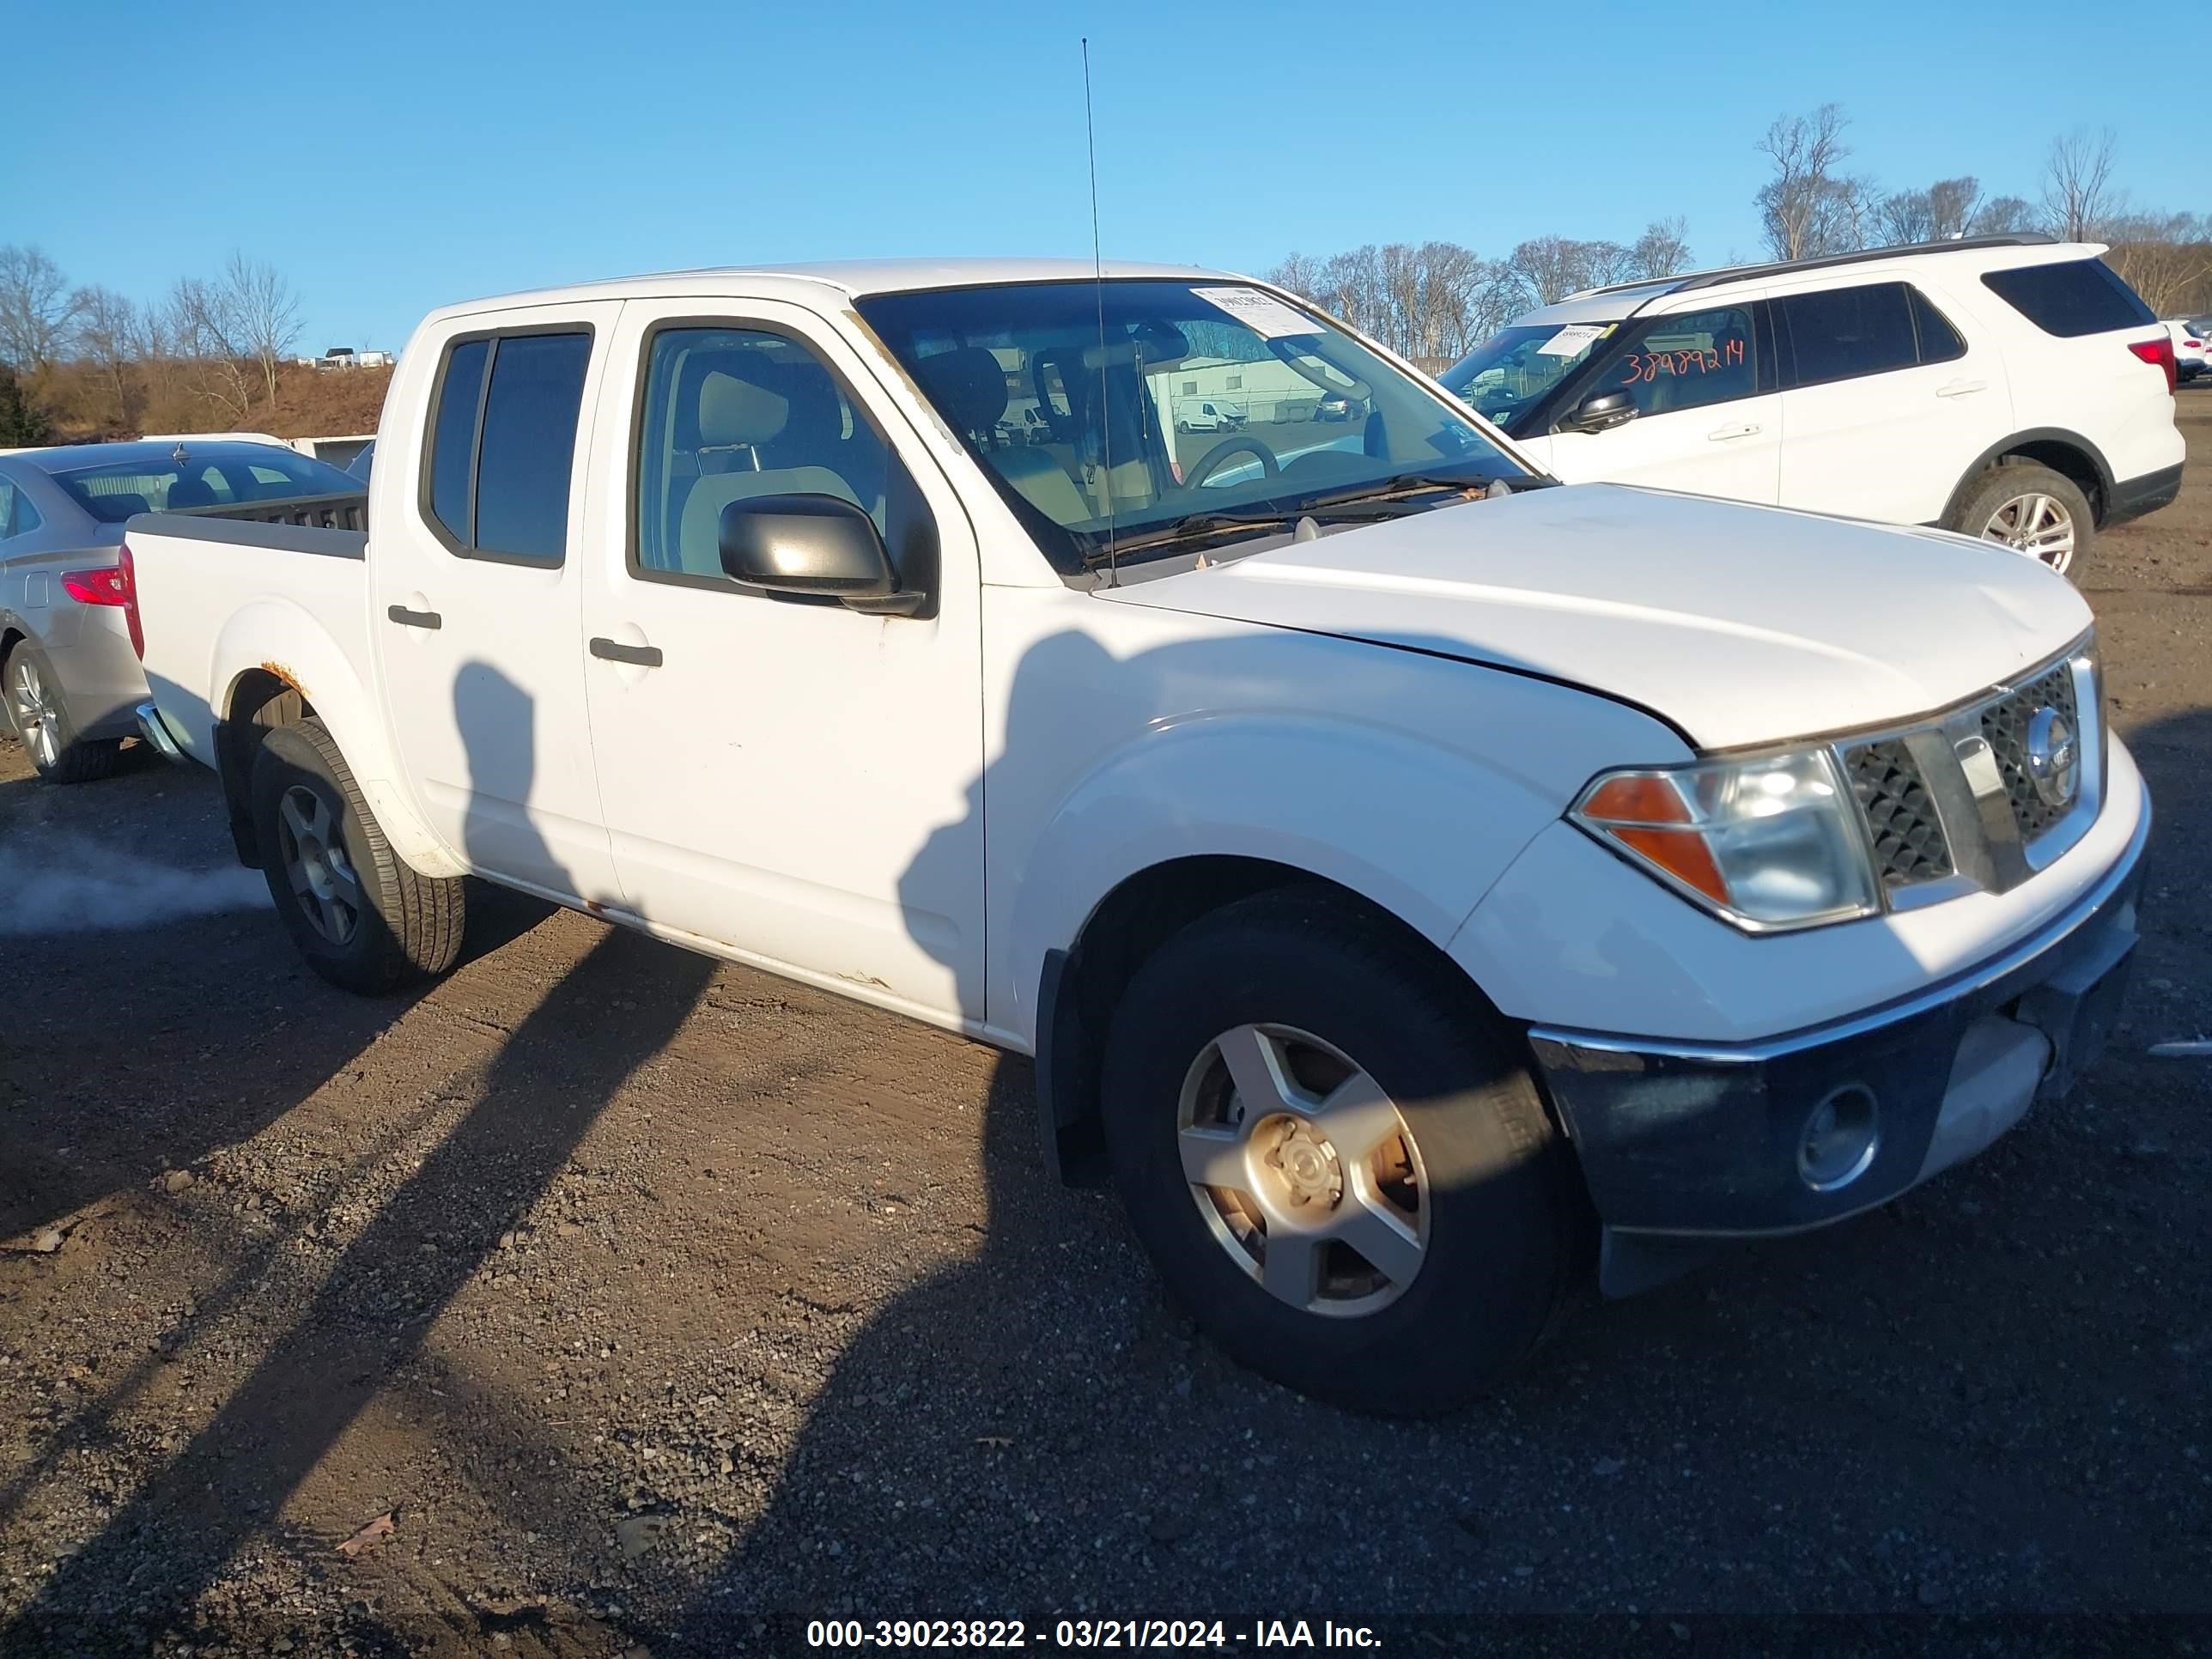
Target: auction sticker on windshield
1573	338
1265	315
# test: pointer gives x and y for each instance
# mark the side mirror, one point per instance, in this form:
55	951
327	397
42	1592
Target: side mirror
817	546
1601	413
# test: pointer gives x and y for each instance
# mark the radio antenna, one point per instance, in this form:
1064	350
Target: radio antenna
1098	275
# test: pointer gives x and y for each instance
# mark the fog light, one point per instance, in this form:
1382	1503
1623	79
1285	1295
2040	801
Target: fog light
1840	1139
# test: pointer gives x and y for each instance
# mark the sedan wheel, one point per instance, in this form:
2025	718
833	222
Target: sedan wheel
1303	1170
2037	525
35	715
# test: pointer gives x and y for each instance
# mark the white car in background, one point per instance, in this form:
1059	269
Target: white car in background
2188	348
2009	387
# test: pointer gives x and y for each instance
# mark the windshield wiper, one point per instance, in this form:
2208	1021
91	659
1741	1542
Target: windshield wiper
1199	526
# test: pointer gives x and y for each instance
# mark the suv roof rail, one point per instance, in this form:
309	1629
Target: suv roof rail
1698	279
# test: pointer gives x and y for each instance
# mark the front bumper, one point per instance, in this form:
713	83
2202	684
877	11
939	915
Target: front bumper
1687	1142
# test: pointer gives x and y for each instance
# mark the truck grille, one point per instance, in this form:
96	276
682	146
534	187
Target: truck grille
2004	727
1900	816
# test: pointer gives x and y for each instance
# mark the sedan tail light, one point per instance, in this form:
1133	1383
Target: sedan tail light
2160	352
107	586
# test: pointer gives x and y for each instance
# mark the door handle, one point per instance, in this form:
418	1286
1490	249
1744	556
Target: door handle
638	656
1719	435
406	618
1962	388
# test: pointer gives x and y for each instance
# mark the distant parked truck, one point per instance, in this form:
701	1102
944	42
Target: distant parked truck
347	358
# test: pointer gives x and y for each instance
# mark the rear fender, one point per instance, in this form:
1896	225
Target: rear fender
277	637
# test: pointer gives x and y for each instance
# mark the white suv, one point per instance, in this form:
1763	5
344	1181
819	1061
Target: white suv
2009	387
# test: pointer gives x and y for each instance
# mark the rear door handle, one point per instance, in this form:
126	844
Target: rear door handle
406	618
1750	429
1962	388
638	656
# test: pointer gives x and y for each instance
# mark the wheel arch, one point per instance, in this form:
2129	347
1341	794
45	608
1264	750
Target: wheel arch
1080	985
2066	453
277	666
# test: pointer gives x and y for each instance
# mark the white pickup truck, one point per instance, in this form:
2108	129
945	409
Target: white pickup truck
1408	872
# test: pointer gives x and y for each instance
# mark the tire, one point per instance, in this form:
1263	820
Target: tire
365	920
1502	1239
38	714
2010	485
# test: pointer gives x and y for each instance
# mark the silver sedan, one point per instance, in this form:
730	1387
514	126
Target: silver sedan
69	676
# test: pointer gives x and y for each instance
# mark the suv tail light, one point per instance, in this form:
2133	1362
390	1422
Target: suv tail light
2159	351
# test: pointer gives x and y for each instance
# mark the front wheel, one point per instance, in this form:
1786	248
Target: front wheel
365	919
1335	1157
2031	510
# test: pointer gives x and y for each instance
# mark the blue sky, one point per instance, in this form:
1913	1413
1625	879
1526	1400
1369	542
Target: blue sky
391	156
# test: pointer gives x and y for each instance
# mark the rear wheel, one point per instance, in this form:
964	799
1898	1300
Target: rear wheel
2032	510
1336	1158
39	714
364	919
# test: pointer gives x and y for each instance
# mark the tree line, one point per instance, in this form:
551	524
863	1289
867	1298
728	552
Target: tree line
204	354
1436	300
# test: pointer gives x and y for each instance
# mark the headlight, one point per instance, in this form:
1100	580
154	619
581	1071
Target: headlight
1768	843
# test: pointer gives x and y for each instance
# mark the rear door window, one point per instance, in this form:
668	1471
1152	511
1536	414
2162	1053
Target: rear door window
2071	298
503	445
1843	333
1939	341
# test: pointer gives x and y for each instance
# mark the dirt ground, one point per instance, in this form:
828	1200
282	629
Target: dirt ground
659	1303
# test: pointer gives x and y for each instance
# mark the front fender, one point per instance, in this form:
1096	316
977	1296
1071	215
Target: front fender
1418	828
279	637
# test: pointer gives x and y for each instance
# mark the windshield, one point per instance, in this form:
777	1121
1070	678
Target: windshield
1208	398
1516	366
200	475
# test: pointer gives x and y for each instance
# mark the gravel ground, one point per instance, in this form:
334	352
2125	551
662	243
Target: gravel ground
658	1303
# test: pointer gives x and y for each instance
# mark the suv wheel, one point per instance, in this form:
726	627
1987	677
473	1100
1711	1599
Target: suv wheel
2032	510
1336	1158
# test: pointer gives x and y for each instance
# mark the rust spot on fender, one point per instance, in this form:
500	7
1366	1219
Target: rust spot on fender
287	676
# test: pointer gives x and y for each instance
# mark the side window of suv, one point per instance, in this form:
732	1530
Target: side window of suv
503	445
1686	361
1842	333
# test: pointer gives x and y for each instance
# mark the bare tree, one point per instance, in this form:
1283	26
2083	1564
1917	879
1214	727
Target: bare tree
1663	249
2077	183
1299	273
1549	268
111	338
36	308
262	314
1950	206
2004	215
1798	204
2166	258
1906	217
210	346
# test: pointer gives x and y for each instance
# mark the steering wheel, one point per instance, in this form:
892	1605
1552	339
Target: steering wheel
1269	466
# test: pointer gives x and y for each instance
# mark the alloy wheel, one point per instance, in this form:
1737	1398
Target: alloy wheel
322	876
35	714
1303	1170
2037	525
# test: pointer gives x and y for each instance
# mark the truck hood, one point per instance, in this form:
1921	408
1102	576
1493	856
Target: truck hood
1736	624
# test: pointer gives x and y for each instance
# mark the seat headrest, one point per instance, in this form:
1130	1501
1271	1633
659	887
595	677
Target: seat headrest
190	492
735	411
968	386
